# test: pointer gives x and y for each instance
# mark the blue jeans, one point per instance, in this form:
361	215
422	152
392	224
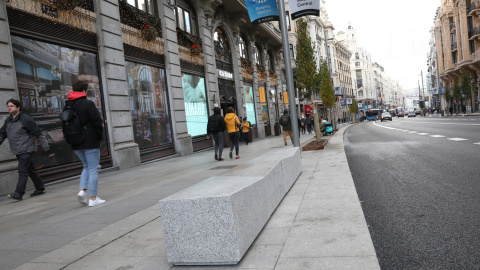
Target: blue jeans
89	178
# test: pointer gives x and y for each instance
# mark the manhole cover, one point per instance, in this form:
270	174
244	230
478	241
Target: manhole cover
223	167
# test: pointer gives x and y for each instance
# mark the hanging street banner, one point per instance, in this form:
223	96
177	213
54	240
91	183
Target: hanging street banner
300	8
261	11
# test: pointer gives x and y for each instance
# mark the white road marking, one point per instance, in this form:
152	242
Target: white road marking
478	143
412	132
423	134
457	139
437	136
459	124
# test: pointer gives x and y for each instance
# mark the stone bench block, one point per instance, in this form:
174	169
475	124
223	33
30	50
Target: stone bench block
215	221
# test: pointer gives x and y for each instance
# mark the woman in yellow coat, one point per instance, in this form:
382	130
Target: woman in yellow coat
245	130
233	128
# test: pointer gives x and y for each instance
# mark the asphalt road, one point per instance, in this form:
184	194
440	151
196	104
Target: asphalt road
419	183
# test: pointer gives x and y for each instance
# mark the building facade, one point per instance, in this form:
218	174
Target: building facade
156	69
371	85
457	45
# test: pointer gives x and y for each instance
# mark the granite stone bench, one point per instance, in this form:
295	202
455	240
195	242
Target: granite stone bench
215	221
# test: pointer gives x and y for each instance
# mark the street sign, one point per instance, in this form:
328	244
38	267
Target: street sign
360	105
338	90
262	11
300	8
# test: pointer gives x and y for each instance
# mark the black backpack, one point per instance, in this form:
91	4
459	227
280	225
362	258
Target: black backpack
73	131
284	120
213	126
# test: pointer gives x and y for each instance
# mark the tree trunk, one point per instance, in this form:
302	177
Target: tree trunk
316	124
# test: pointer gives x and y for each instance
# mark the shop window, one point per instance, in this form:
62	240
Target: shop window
145	5
242	46
256	55
186	17
264	105
148	105
289	27
196	110
249	104
45	74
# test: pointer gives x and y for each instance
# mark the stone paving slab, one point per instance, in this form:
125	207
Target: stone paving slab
320	217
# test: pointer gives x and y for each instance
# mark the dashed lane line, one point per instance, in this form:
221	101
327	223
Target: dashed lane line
437	136
423	134
457	139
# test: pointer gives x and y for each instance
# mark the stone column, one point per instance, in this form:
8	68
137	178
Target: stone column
125	152
182	140
271	106
258	108
206	31
8	90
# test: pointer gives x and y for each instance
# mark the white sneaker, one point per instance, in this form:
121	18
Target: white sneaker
96	202
82	197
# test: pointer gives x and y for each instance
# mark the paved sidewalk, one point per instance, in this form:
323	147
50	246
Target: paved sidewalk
318	225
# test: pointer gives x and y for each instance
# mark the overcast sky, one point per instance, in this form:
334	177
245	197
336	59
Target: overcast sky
395	33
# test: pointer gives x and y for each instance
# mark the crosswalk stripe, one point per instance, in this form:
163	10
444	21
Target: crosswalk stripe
437	136
412	132
478	143
423	134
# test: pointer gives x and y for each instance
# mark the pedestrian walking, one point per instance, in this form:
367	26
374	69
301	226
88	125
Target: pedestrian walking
303	124
299	126
20	129
216	126
451	110
245	129
233	127
309	123
86	142
286	125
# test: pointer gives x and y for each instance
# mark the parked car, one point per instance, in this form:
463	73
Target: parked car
386	116
412	114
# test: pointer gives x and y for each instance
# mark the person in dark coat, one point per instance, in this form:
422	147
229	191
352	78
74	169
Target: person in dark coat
87	151
287	126
216	120
20	129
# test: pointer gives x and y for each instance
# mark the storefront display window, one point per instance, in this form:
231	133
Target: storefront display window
249	104
195	104
148	103
45	74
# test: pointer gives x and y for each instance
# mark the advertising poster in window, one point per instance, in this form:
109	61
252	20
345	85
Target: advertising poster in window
195	104
263	105
148	105
249	104
261	11
45	74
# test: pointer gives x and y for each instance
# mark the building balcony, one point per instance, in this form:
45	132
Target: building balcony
452	27
473	8
474	33
454	46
